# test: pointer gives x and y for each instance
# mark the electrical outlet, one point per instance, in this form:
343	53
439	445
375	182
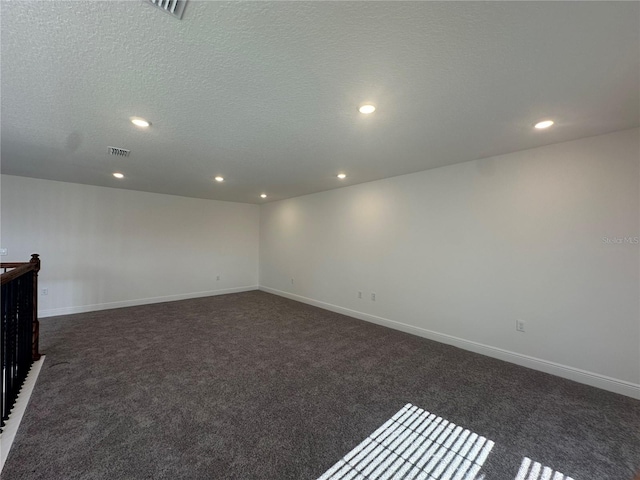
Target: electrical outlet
218	277
520	325
4	251
45	291
373	297
292	281
359	294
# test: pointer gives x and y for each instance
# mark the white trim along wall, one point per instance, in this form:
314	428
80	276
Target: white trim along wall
108	248
456	254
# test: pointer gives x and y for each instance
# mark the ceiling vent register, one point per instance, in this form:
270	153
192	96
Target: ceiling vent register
173	7
119	152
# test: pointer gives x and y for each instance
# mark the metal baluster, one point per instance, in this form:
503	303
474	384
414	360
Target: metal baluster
3	360
18	331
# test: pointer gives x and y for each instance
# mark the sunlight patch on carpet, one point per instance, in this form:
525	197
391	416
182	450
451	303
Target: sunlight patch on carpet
415	444
530	470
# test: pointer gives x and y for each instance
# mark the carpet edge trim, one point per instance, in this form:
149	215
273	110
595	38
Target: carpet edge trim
19	408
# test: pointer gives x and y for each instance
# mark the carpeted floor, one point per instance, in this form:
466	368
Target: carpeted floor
254	386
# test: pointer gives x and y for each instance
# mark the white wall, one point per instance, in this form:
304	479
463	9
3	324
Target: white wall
455	253
105	248
459	253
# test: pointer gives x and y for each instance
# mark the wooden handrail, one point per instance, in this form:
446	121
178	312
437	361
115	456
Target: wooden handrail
16	272
11	264
19	329
19	268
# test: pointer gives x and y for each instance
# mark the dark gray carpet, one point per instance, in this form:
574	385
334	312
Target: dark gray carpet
254	386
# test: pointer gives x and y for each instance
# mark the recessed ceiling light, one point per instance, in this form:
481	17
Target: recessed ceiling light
219	179
140	122
342	176
366	109
264	195
544	124
118	175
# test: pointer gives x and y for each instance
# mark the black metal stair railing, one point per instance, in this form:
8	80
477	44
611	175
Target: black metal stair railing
18	330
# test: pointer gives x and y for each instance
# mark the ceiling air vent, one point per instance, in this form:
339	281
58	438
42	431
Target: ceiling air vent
174	7
119	152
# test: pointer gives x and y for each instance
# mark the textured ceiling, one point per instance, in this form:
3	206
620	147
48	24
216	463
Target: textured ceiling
266	93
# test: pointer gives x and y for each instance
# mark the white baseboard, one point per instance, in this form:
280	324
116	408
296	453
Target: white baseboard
11	426
583	376
141	301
